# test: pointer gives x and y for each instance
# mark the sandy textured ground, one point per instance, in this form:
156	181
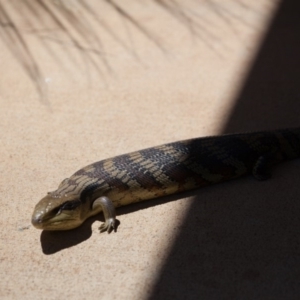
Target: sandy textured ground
92	79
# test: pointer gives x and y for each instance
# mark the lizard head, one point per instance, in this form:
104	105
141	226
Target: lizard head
57	212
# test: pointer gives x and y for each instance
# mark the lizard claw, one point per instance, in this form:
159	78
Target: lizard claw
109	226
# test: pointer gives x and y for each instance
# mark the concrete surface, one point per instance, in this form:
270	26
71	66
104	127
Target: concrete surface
86	80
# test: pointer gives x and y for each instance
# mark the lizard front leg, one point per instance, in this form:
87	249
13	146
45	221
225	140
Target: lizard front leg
109	214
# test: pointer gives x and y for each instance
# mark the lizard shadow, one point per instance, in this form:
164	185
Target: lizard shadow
204	198
55	241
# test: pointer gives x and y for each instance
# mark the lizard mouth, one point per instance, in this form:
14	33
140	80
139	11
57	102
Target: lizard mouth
57	222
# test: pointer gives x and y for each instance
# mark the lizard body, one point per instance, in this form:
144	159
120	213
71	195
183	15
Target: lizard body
160	171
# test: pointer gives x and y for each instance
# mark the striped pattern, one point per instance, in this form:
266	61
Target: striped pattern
160	171
181	166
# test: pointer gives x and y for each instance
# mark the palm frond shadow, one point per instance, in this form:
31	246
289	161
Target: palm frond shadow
76	26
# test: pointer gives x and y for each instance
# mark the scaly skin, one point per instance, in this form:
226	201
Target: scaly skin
160	171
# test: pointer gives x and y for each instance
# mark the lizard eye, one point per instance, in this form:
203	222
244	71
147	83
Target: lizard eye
69	205
57	211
